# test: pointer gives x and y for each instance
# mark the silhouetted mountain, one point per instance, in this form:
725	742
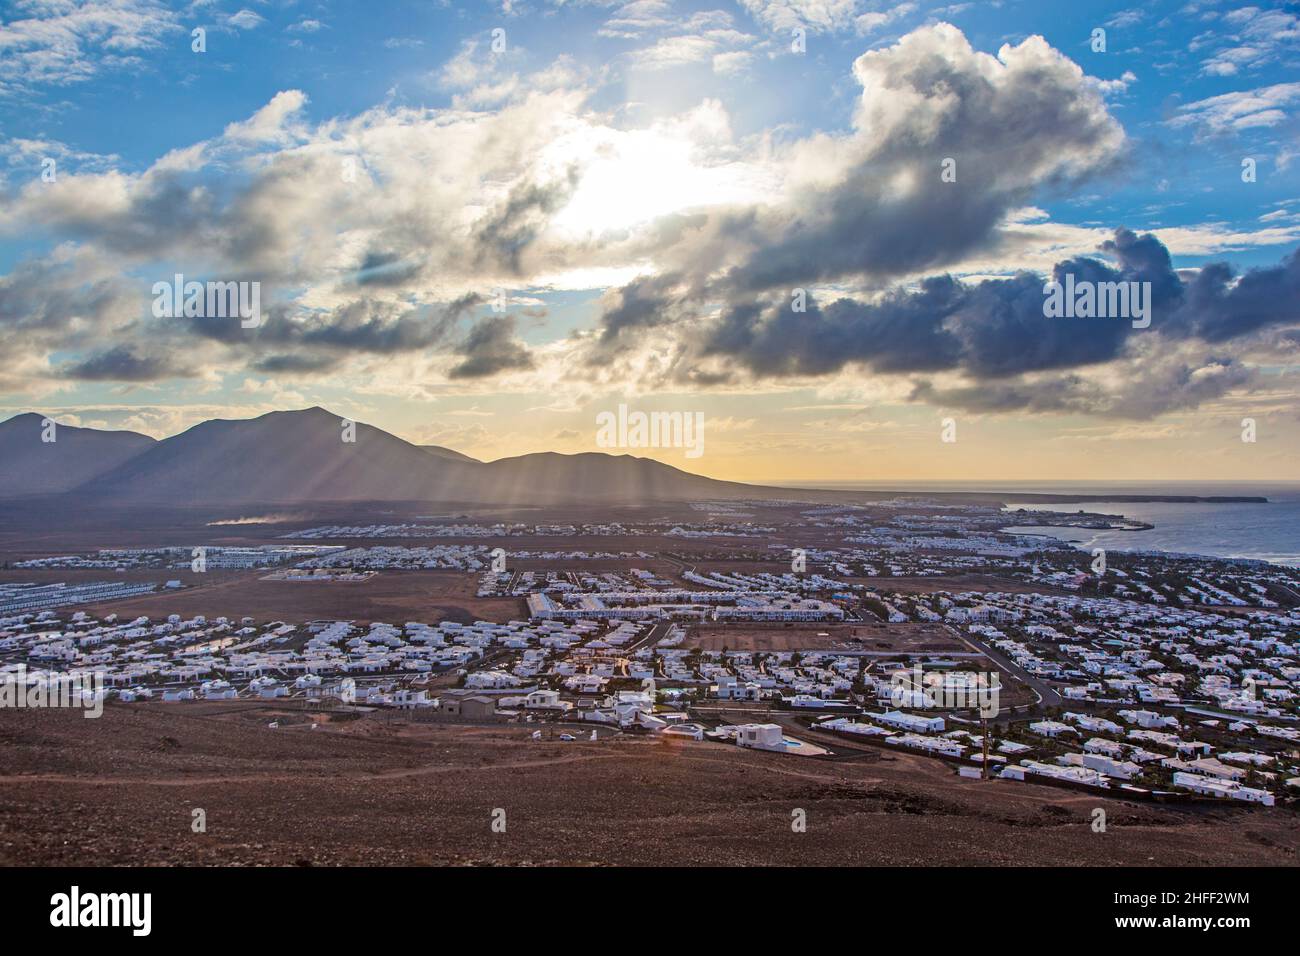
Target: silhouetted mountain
284	457
447	453
32	466
300	456
593	476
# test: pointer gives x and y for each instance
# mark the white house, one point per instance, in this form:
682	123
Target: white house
406	698
1148	718
760	736
630	704
491	680
912	723
1051	728
1122	769
545	700
1223	789
730	689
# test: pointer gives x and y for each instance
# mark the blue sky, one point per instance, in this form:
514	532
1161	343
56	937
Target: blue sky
649	180
351	56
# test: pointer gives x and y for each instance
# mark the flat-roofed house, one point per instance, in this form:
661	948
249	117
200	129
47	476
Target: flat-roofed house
760	736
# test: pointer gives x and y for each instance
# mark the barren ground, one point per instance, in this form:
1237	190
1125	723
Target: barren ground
390	596
121	789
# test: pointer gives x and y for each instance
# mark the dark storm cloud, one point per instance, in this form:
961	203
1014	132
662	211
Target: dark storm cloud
491	348
45	300
902	333
124	364
1058	395
996	328
994	333
505	234
948	143
164	209
296	364
361	326
857	231
1217	308
992	329
1003	129
643	303
386	269
1003	331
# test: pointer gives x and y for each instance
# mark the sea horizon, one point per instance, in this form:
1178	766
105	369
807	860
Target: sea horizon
1135	486
1261	532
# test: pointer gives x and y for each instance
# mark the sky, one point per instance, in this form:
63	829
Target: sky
823	225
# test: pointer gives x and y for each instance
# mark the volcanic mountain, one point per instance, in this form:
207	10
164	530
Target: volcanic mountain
300	457
30	464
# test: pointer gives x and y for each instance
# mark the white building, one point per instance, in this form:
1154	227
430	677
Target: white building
909	722
1120	769
1051	728
1223	789
545	700
760	736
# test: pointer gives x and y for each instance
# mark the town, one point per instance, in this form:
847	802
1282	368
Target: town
903	626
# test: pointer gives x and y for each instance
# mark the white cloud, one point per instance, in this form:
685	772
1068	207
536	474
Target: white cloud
544	190
1116	86
733	63
816	16
871	22
1126	18
636	19
1253	37
1241	110
55	42
675	51
272	122
245	20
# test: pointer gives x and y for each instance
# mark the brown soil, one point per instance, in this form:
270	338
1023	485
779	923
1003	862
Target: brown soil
121	790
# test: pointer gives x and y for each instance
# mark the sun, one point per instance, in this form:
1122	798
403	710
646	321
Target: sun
630	178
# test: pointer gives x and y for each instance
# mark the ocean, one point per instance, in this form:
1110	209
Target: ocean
1265	532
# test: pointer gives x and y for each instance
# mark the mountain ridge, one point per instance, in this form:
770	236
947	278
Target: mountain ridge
31	465
299	457
303	456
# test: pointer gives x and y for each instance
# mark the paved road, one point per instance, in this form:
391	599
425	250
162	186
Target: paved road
1047	695
656	633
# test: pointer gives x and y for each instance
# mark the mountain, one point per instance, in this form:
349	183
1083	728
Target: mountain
31	466
593	476
280	457
300	456
440	452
